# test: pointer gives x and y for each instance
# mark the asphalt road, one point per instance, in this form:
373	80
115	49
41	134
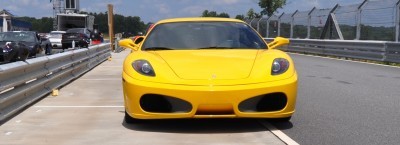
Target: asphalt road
345	103
339	102
90	111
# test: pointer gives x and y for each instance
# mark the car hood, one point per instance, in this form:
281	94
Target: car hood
2	43
210	64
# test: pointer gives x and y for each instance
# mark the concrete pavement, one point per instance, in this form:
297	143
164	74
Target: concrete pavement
90	110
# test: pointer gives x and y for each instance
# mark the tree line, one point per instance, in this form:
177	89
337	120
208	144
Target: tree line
130	25
269	7
133	24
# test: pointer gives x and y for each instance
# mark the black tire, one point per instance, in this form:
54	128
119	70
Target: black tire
85	45
12	56
64	48
131	120
23	54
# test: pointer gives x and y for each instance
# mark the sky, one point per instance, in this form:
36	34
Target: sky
154	10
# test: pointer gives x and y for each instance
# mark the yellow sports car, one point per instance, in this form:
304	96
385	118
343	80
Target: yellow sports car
207	68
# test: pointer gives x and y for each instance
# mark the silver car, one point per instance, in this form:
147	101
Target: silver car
55	39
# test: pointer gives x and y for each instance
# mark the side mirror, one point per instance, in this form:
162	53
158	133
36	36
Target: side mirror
128	43
138	40
278	41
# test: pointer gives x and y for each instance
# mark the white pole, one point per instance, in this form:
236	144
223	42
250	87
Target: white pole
4	24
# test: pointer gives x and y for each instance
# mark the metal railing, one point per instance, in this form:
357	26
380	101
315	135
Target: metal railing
118	37
368	50
369	20
24	82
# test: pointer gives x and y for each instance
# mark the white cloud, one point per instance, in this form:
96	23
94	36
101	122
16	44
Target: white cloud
163	8
225	2
193	10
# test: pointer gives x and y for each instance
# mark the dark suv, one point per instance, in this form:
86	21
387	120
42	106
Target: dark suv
79	36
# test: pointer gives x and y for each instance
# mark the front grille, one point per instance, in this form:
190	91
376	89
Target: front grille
164	104
264	103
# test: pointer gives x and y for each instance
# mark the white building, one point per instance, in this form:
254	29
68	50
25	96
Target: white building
8	23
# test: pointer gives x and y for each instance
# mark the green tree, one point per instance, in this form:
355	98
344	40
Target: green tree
43	25
270	6
224	15
240	17
207	13
250	13
129	25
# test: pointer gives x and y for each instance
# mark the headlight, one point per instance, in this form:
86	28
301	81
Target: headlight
279	66
143	67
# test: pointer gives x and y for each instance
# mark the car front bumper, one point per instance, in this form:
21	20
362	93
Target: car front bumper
208	101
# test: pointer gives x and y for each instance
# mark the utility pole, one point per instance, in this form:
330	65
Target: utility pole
111	25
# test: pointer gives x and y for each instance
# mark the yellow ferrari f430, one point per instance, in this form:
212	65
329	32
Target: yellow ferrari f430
207	68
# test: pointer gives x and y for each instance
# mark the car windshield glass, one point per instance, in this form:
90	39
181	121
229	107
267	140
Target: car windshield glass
17	36
55	35
203	35
75	31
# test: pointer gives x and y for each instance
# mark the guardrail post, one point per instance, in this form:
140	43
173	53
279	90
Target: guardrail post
358	33
291	24
397	21
279	24
267	31
258	25
309	23
251	22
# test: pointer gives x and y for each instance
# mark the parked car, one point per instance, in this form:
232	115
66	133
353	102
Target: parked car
13	51
207	68
31	39
79	36
55	39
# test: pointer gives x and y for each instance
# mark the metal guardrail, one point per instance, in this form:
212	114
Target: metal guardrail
118	37
369	50
24	82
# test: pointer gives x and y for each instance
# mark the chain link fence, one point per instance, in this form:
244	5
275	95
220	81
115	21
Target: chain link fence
369	20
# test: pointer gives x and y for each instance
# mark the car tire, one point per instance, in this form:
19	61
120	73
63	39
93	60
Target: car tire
64	48
131	120
23	54
85	45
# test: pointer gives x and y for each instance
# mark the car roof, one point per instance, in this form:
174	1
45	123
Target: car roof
199	19
20	31
57	32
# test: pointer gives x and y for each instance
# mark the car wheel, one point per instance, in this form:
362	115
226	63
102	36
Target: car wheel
131	120
64	48
85	45
12	56
23	54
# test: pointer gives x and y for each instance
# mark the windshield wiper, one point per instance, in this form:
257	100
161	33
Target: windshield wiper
216	47
158	48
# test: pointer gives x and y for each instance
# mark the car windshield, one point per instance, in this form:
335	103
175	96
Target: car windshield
56	35
77	30
203	35
18	36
